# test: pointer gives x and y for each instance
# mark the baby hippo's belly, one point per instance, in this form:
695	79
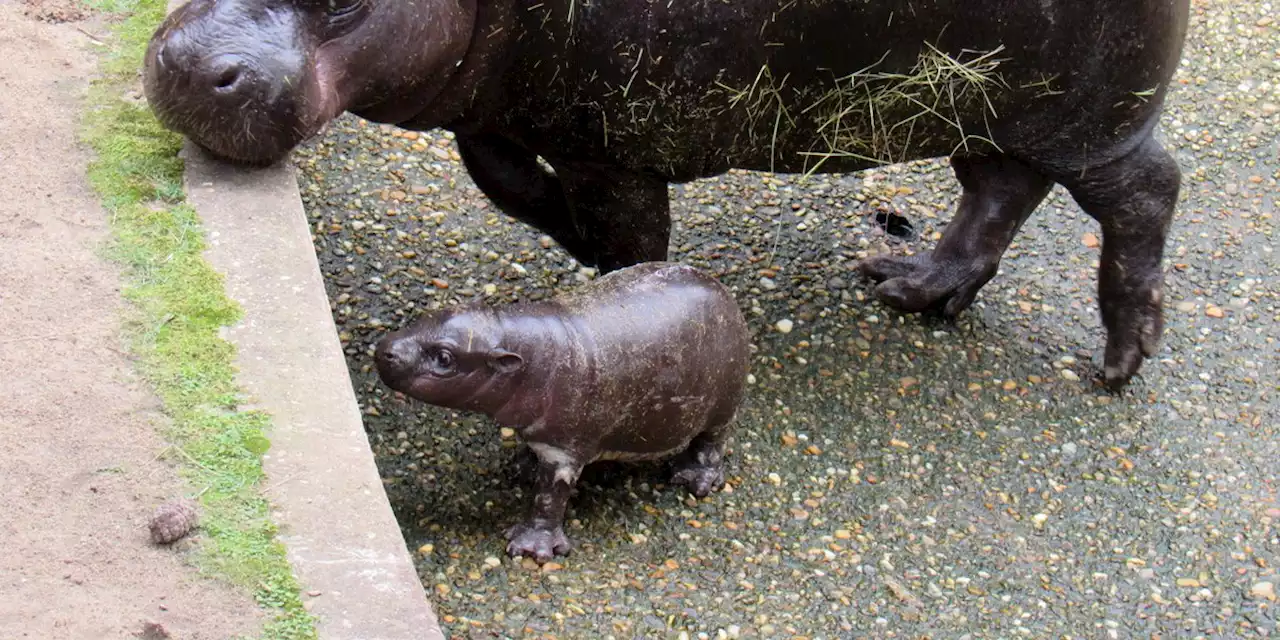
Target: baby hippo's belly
649	429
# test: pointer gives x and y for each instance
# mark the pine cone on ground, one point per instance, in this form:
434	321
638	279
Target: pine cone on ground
173	520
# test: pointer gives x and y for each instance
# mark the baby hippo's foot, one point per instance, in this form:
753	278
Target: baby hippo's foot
538	542
701	480
913	284
700	473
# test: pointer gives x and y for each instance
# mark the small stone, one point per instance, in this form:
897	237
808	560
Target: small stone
1039	519
1186	306
1188	582
492	562
1263	591
507	433
774	479
784	326
426	549
1214	311
1090	240
1069	449
1068	374
173	520
357	225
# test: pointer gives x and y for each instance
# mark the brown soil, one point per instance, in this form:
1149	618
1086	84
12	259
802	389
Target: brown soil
54	10
79	474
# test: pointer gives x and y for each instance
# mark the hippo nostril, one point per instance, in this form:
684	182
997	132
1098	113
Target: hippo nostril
228	78
397	357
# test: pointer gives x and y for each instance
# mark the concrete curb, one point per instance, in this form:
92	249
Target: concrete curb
334	518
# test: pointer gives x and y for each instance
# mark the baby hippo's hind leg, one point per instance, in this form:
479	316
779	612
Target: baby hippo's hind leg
541	536
700	467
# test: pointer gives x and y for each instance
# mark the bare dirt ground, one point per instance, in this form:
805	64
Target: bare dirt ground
79	474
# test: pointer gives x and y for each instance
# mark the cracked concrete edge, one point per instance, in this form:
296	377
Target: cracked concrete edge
328	501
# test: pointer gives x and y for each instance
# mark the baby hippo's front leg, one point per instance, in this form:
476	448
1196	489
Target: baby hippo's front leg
542	536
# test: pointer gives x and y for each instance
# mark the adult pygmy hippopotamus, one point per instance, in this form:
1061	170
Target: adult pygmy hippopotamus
622	98
642	363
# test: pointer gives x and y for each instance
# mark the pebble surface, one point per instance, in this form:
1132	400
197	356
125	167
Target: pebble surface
892	476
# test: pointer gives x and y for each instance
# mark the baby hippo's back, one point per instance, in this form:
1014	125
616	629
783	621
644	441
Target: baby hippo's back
667	347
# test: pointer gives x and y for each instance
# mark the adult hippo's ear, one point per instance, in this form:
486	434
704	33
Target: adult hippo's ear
504	361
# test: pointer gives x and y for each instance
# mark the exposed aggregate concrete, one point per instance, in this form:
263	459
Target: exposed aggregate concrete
892	476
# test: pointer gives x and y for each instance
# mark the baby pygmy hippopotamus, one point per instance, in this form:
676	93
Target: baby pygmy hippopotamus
641	363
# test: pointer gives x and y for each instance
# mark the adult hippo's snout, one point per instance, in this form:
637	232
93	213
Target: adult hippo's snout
244	85
248	80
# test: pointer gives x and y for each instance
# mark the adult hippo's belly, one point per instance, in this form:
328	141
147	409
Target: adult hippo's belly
622	98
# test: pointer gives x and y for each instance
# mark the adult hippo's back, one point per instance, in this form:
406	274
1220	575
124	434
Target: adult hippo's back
622	97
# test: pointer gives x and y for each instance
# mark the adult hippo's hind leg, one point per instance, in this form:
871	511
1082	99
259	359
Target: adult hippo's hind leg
999	194
1133	199
623	216
510	176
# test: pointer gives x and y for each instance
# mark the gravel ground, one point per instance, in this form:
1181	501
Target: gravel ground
892	476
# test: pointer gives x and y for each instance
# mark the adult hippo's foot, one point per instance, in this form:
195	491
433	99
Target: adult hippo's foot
537	542
999	194
1133	198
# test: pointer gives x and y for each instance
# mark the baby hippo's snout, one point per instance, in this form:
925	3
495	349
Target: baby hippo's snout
397	359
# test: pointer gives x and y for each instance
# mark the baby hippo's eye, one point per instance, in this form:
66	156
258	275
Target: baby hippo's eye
343	7
441	360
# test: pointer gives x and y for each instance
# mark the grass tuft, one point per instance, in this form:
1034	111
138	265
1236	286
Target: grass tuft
179	306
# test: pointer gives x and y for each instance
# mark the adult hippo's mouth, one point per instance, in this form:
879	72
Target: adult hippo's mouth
244	103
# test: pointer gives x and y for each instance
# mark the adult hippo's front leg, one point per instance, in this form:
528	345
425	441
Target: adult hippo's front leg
510	176
623	216
999	194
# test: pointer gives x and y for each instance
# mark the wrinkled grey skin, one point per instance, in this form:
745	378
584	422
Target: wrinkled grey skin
640	364
622	98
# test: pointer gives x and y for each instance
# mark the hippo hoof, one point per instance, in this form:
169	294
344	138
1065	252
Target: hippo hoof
541	544
1131	338
914	284
701	480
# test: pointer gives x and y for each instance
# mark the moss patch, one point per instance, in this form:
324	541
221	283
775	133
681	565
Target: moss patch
179	306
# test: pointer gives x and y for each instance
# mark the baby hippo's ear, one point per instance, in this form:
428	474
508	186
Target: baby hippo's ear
504	361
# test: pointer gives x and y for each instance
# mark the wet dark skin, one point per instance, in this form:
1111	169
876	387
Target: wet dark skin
646	362
623	98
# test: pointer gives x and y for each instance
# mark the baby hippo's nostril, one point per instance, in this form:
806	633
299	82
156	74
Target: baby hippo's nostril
397	356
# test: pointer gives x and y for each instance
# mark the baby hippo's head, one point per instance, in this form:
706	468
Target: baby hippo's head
449	358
